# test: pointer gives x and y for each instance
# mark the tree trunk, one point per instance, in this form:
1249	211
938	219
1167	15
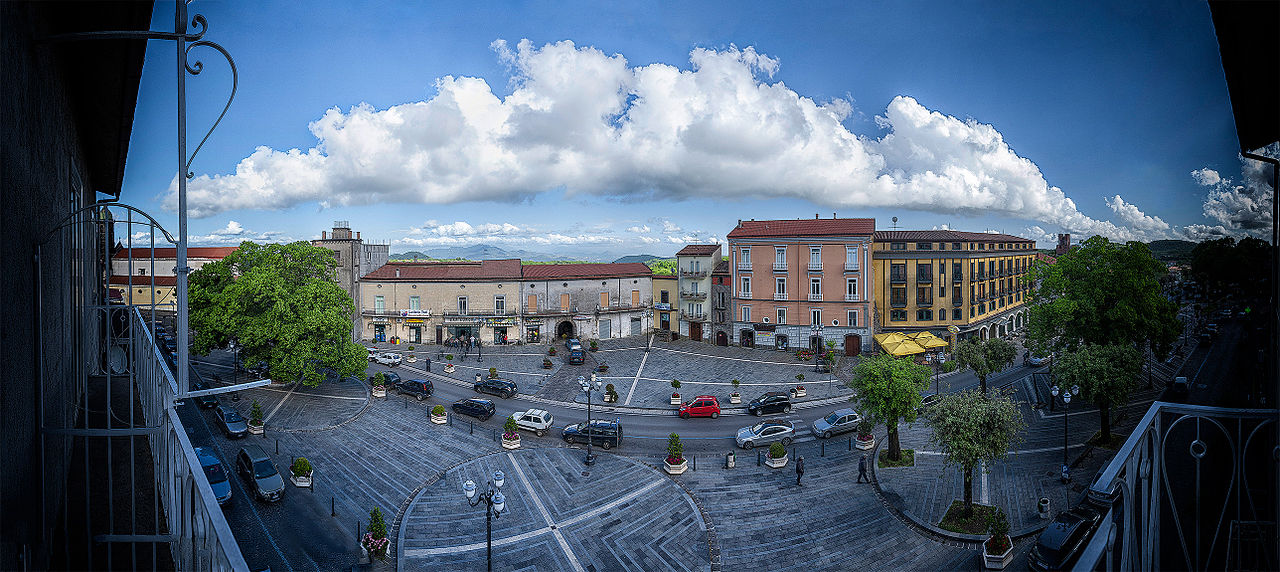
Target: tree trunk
968	492
1104	408
982	382
895	448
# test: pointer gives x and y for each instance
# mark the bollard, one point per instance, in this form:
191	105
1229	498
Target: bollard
695	463
759	461
333	511
471	428
824	449
851	442
730	460
277	445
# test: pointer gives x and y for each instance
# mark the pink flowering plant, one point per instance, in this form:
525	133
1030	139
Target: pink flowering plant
509	429
376	540
675	450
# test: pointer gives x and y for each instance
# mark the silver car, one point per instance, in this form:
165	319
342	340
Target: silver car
838	421
766	432
388	359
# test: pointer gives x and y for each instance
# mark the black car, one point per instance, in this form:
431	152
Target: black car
504	388
390	378
1064	539
481	409
771	402
603	434
204	401
422	388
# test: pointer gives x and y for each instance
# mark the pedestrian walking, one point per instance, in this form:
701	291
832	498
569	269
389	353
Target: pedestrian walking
862	469
799	469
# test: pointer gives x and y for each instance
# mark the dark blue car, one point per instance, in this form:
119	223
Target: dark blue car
481	409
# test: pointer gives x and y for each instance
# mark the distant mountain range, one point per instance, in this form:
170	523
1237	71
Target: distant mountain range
1171	250
481	252
637	258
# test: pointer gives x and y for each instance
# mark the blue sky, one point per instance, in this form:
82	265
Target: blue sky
598	131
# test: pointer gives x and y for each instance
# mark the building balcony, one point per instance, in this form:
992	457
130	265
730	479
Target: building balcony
898	303
779	295
693	295
620	307
851	267
957	279
815	267
744	294
473	312
815	297
693	316
957	302
924	279
898	278
744	266
779	267
550	311
852	298
695	273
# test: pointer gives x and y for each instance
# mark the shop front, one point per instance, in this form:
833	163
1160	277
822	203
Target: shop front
460	330
500	328
414	325
380	332
533	334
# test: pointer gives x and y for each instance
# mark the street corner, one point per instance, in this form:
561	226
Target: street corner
299	407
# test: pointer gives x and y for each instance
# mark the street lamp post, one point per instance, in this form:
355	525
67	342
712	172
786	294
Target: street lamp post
816	330
1066	419
588	386
495	503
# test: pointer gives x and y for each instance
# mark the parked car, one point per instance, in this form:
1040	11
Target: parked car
216	473
572	344
504	388
389	377
577	357
701	406
1212	328
771	402
836	422
1037	361
389	359
422	388
536	420
260	473
926	402
601	433
233	425
371	353
765	432
481	409
204	401
1062	541
1180	387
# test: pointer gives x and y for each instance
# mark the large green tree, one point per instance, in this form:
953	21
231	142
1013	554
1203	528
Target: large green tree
985	357
279	303
1106	375
971	427
1241	267
887	389
1102	293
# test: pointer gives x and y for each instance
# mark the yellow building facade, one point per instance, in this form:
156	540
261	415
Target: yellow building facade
930	280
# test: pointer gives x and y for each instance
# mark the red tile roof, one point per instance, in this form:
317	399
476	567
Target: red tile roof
574	271
214	252
804	227
945	236
143	281
698	250
448	271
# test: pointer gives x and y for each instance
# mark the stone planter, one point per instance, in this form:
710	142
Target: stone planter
778	463
411	359
735	398
440	419
609	398
257	429
364	553
547	365
798	392
997	561
379	391
511	443
865	445
1044	508
676	469
303	481
448	368
675	399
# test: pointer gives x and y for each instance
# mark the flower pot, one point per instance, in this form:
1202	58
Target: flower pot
303	481
440	419
256	429
411	358
379	391
677	468
798	392
675	399
866	445
778	463
511	443
1044	508
735	398
997	561
610	398
448	368
546	365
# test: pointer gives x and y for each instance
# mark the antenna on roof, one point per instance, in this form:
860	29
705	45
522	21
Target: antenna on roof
895	223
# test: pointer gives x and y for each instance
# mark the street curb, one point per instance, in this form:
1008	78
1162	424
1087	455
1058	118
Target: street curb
966	541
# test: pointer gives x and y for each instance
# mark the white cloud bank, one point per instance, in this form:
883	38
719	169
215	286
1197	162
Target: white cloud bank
590	124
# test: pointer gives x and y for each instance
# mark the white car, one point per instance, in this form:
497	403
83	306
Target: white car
370	353
388	359
536	420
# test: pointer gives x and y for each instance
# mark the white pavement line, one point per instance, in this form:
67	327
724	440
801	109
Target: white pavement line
311	394
637	378
280	404
608	507
1095	411
1023	452
484	369
810	381
986	496
733	358
211	364
555	531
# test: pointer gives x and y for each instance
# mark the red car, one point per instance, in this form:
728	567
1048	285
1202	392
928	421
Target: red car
701	406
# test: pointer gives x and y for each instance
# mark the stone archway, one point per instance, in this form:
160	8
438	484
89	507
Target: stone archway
982	334
564	329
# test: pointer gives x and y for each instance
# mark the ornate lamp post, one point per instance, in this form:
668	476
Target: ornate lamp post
816	330
1066	400
588	387
495	503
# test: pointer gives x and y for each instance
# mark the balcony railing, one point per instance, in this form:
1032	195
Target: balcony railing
1183	493
744	266
957	279
815	266
472	312
924	279
695	273
694	316
693	295
851	267
898	303
851	298
779	295
744	294
815	297
780	266
898	278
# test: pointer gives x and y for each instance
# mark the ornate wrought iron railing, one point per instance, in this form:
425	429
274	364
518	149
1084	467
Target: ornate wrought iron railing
1193	488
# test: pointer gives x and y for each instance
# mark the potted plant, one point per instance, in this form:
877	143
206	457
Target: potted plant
493	373
411	358
603	367
675	395
380	385
593	345
510	437
735	397
375	541
610	394
551	351
301	472
997	551
799	390
438	415
866	441
777	457
255	419
675	462
546	363
448	366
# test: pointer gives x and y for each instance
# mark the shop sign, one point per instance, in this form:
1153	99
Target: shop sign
662	306
763	328
464	321
499	322
415	313
764	338
413	321
380	320
582	318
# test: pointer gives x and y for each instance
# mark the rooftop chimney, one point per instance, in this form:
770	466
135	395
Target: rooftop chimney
397	273
324	234
815	216
357	235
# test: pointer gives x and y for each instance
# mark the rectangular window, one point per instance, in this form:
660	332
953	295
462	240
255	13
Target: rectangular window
415	303
500	305
635	298
924	315
955	293
924	272
746	313
956	314
782	315
379	304
924	246
898	296
815	288
851	317
604	299
956	273
815	258
897	315
942	246
815	316
851	289
955	246
780	288
898	272
462	305
664	296
897	246
564	302
746	287
744	260
924	296
982	246
850	258
531	305
780	258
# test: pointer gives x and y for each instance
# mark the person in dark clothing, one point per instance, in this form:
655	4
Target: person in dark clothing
862	469
799	469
